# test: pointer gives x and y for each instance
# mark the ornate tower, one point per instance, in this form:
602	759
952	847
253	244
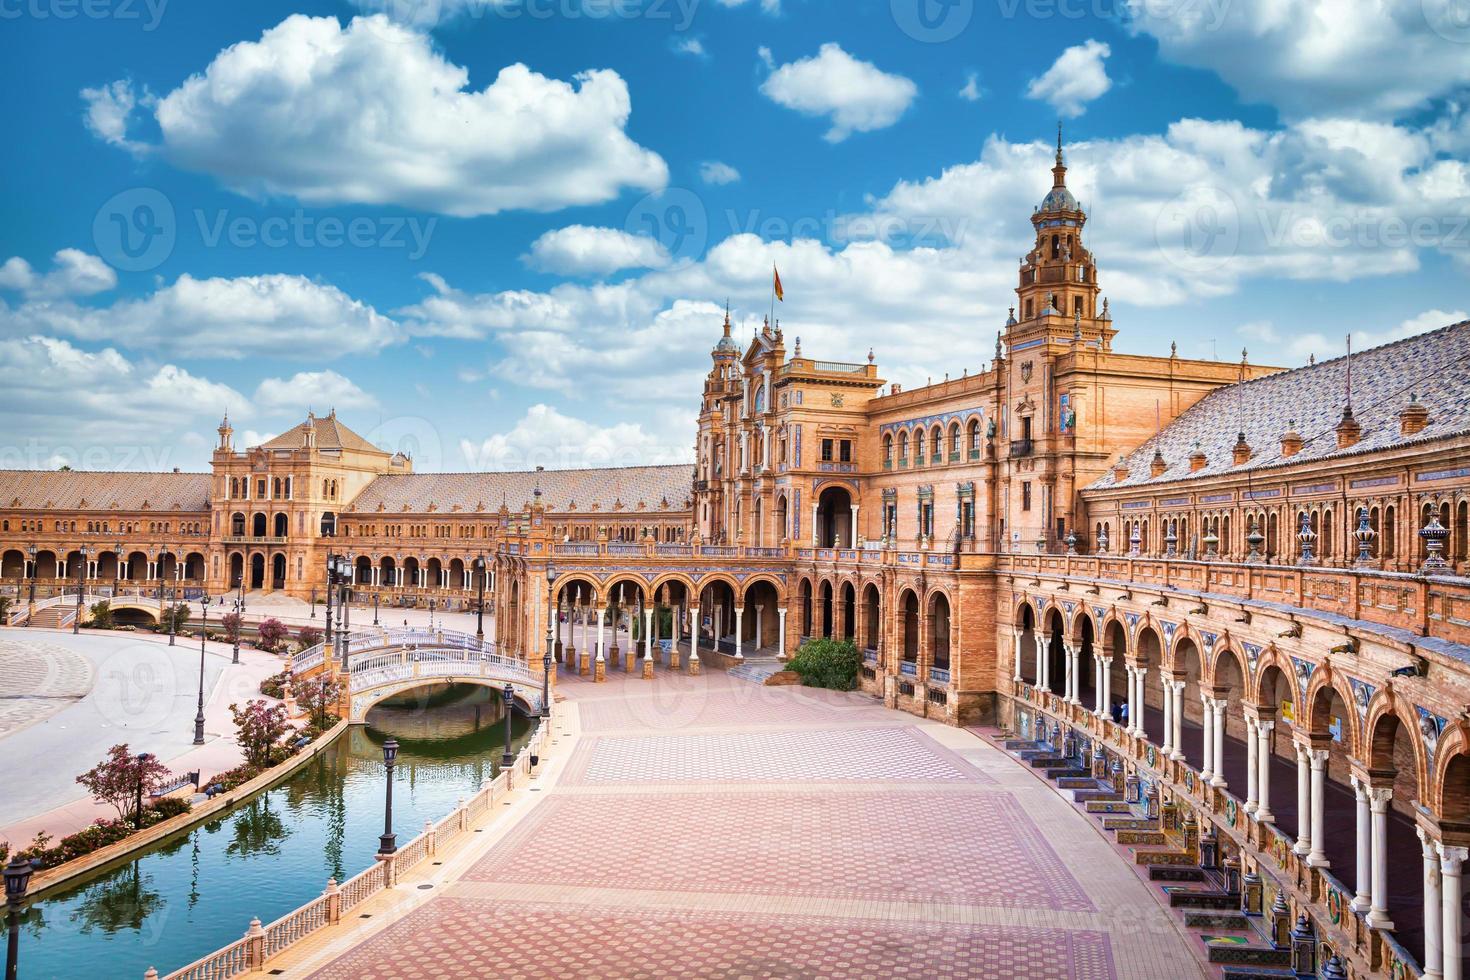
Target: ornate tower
1057	289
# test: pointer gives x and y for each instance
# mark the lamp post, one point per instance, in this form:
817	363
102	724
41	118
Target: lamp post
506	759
480	605
76	623
550	639
239	625
143	758
203	632
331	561
172	595
31	601
117	550
375	609
17	880
431	615
388	842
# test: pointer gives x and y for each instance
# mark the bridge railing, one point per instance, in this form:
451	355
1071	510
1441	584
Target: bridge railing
392	638
259	944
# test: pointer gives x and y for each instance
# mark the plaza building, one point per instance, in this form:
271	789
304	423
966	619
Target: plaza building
1237	591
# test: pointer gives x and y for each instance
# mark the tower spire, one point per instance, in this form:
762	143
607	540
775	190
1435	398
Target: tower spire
1059	142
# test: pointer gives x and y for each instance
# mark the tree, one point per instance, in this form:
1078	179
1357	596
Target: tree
4	609
271	632
319	695
115	780
827	663
101	615
259	727
232	623
178	614
308	637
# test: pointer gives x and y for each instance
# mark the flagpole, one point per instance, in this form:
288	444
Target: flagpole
772	321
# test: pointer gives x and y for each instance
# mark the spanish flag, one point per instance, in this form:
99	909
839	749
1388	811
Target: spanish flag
780	294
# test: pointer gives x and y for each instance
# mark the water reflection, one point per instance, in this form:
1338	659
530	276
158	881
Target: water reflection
198	891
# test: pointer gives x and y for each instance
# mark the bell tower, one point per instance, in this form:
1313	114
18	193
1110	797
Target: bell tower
1057	291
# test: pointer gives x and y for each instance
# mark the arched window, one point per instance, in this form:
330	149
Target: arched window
936	443
974	438
954	441
888	450
903	448
237	525
919	448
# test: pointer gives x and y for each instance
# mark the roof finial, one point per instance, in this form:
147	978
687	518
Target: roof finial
1059	142
1350	373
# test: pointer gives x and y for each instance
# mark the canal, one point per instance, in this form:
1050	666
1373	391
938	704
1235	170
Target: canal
194	893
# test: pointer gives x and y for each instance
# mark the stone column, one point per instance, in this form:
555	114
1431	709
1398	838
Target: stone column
1041	663
738	633
1450	861
1433	902
760	626
1177	718
1250	763
1017	646
816	540
1207	729
1105	704
1363	900
1303	844
854	535
1167	686
781	639
1131	672
597	611
1263	812
1378	800
694	639
1097	673
1318	857
648	644
1219	743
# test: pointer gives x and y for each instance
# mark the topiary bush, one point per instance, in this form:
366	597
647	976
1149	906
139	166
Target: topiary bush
827	663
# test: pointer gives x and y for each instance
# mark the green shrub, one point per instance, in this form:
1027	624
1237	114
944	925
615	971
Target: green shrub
827	663
274	686
101	616
169	806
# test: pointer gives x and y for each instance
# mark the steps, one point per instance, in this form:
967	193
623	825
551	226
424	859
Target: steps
1232	940
756	669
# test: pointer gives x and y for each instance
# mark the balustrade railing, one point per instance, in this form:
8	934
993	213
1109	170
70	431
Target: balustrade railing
258	945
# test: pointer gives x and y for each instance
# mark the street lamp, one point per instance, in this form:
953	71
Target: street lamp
550	639
375	609
330	562
506	759
239	625
388	843
76	623
203	632
143	758
480	607
17	880
431	615
31	552
117	550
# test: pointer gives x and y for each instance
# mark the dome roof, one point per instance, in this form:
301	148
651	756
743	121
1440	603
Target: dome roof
1060	199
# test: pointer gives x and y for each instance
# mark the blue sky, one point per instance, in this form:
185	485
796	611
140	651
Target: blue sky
499	234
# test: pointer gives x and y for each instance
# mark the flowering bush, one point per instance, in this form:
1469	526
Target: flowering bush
258	729
117	779
270	633
319	696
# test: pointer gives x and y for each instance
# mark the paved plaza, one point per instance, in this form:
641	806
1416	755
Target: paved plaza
708	826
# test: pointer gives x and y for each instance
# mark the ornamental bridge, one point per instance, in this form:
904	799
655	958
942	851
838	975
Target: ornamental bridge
379	664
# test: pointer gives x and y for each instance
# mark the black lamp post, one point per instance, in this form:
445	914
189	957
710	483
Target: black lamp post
76	623
31	552
550	639
239	625
331	561
173	618
480	605
431	614
143	758
375	609
117	550
506	759
313	601
388	843
17	880
203	632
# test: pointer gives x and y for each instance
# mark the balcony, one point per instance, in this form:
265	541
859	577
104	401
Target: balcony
1021	447
252	539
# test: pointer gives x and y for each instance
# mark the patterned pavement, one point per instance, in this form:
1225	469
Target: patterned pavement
39	680
776	834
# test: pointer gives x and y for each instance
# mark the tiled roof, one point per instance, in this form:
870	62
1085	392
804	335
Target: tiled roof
88	490
562	490
1434	366
330	434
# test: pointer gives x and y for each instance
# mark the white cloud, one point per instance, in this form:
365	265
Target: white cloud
692	46
546	437
767	6
321	391
274	315
372	114
1323	346
109	109
580	250
971	91
855	94
99	410
715	172
1076	78
74	273
1376	59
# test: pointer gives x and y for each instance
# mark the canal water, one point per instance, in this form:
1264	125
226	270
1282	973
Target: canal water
192	894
